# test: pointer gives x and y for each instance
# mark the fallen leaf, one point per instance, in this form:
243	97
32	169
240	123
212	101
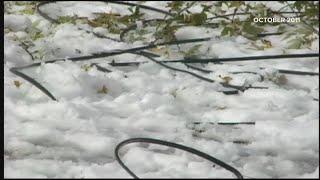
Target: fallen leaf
17	83
226	79
103	90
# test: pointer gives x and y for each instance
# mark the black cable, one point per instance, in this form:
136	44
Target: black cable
113	2
129	50
298	72
54	21
180	70
283	71
113	63
245	58
269	34
100	68
118	52
174	145
135	50
226	123
215	25
140	6
225	16
198	69
132	50
44	15
241	88
228	85
15	70
209	71
106	54
134	26
25	47
248	58
116	2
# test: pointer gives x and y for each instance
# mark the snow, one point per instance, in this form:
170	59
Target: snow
75	137
14	54
82	9
16	22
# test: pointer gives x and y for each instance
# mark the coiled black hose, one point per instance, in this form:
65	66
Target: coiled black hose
174	145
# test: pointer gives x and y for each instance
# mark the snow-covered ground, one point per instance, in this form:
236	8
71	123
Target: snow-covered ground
75	137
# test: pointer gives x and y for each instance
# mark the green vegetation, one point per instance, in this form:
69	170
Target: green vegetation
231	18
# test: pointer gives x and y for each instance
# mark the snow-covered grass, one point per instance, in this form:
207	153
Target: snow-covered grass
75	137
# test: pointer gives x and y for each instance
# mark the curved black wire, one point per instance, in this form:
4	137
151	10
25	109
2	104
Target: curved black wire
174	145
15	70
44	15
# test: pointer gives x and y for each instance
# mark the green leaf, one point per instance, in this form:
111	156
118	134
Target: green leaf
288	35
35	24
198	19
236	4
227	31
298	5
67	19
281	28
24	3
295	43
28	11
175	5
103	90
36	35
192	51
206	8
17	83
251	30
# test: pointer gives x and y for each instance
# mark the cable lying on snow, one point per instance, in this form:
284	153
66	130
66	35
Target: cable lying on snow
139	51
135	50
219	60
174	145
